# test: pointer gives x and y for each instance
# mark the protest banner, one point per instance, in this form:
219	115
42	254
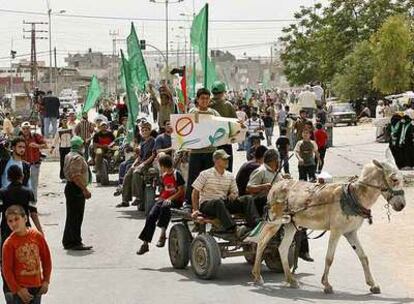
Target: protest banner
194	131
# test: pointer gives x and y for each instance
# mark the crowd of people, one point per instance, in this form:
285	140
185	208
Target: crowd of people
200	180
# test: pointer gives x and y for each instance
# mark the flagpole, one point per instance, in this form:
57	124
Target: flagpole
206	51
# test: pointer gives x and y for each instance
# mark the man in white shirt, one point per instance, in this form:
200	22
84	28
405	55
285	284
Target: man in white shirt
307	101
319	92
215	194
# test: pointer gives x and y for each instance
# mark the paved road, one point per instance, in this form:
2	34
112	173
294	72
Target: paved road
113	273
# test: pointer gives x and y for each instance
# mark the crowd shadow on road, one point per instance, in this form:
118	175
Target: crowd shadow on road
230	274
238	274
131	214
80	253
282	292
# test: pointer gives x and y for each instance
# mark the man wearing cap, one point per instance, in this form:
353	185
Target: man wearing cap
225	109
34	142
101	142
78	177
215	194
260	181
200	159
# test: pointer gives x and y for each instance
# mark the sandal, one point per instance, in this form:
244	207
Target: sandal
161	242
144	248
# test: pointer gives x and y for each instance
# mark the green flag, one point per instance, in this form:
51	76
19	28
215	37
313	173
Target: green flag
139	73
132	99
199	40
94	92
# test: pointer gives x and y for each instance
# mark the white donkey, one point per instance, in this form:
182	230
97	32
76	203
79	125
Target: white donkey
336	207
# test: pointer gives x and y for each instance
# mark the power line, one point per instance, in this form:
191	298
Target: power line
143	18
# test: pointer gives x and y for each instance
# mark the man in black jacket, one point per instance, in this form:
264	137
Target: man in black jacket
51	107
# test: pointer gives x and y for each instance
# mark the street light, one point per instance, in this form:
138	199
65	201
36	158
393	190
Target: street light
166	2
49	14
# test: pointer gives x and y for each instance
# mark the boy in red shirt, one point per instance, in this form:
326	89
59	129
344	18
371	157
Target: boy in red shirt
26	260
321	138
171	196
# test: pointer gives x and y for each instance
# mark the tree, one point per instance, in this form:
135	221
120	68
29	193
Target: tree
354	80
316	44
392	54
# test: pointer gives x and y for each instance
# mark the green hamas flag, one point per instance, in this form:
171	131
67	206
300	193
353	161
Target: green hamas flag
199	40
94	92
132	99
139	73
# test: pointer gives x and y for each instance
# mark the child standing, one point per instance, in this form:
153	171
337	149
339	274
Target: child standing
27	263
282	145
171	196
321	139
306	151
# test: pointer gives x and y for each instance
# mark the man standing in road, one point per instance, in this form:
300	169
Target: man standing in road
78	177
34	142
225	109
200	159
307	101
51	105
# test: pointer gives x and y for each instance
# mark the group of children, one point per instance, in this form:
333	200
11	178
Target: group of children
26	259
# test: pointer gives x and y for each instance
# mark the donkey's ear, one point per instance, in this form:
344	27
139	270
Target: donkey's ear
378	164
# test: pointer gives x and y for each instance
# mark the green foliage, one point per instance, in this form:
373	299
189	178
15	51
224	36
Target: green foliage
315	47
354	79
392	54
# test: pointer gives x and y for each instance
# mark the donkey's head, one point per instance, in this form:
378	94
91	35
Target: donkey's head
390	182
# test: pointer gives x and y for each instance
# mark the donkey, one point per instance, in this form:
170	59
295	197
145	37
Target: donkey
336	207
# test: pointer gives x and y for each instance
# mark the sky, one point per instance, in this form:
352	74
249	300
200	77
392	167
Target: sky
72	35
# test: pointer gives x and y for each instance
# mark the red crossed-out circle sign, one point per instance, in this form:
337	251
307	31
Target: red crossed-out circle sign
184	126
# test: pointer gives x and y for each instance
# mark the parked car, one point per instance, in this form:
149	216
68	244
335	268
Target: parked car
342	113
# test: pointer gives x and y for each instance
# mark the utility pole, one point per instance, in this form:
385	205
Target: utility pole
114	34
33	57
56	72
12	56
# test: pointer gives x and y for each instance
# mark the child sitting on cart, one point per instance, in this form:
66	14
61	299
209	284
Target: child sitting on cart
171	196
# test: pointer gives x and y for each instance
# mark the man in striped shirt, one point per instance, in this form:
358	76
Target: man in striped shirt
215	194
84	130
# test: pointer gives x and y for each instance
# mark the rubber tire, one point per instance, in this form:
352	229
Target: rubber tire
104	177
205	244
273	262
181	237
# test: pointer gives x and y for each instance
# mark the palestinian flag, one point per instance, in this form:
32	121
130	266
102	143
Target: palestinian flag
181	89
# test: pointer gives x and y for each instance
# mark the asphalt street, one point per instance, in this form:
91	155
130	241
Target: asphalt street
113	273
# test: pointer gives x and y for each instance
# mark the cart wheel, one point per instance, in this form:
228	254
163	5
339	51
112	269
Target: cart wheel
104	177
273	262
249	254
179	242
205	256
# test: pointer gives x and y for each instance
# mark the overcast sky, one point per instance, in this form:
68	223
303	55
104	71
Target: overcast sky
78	34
